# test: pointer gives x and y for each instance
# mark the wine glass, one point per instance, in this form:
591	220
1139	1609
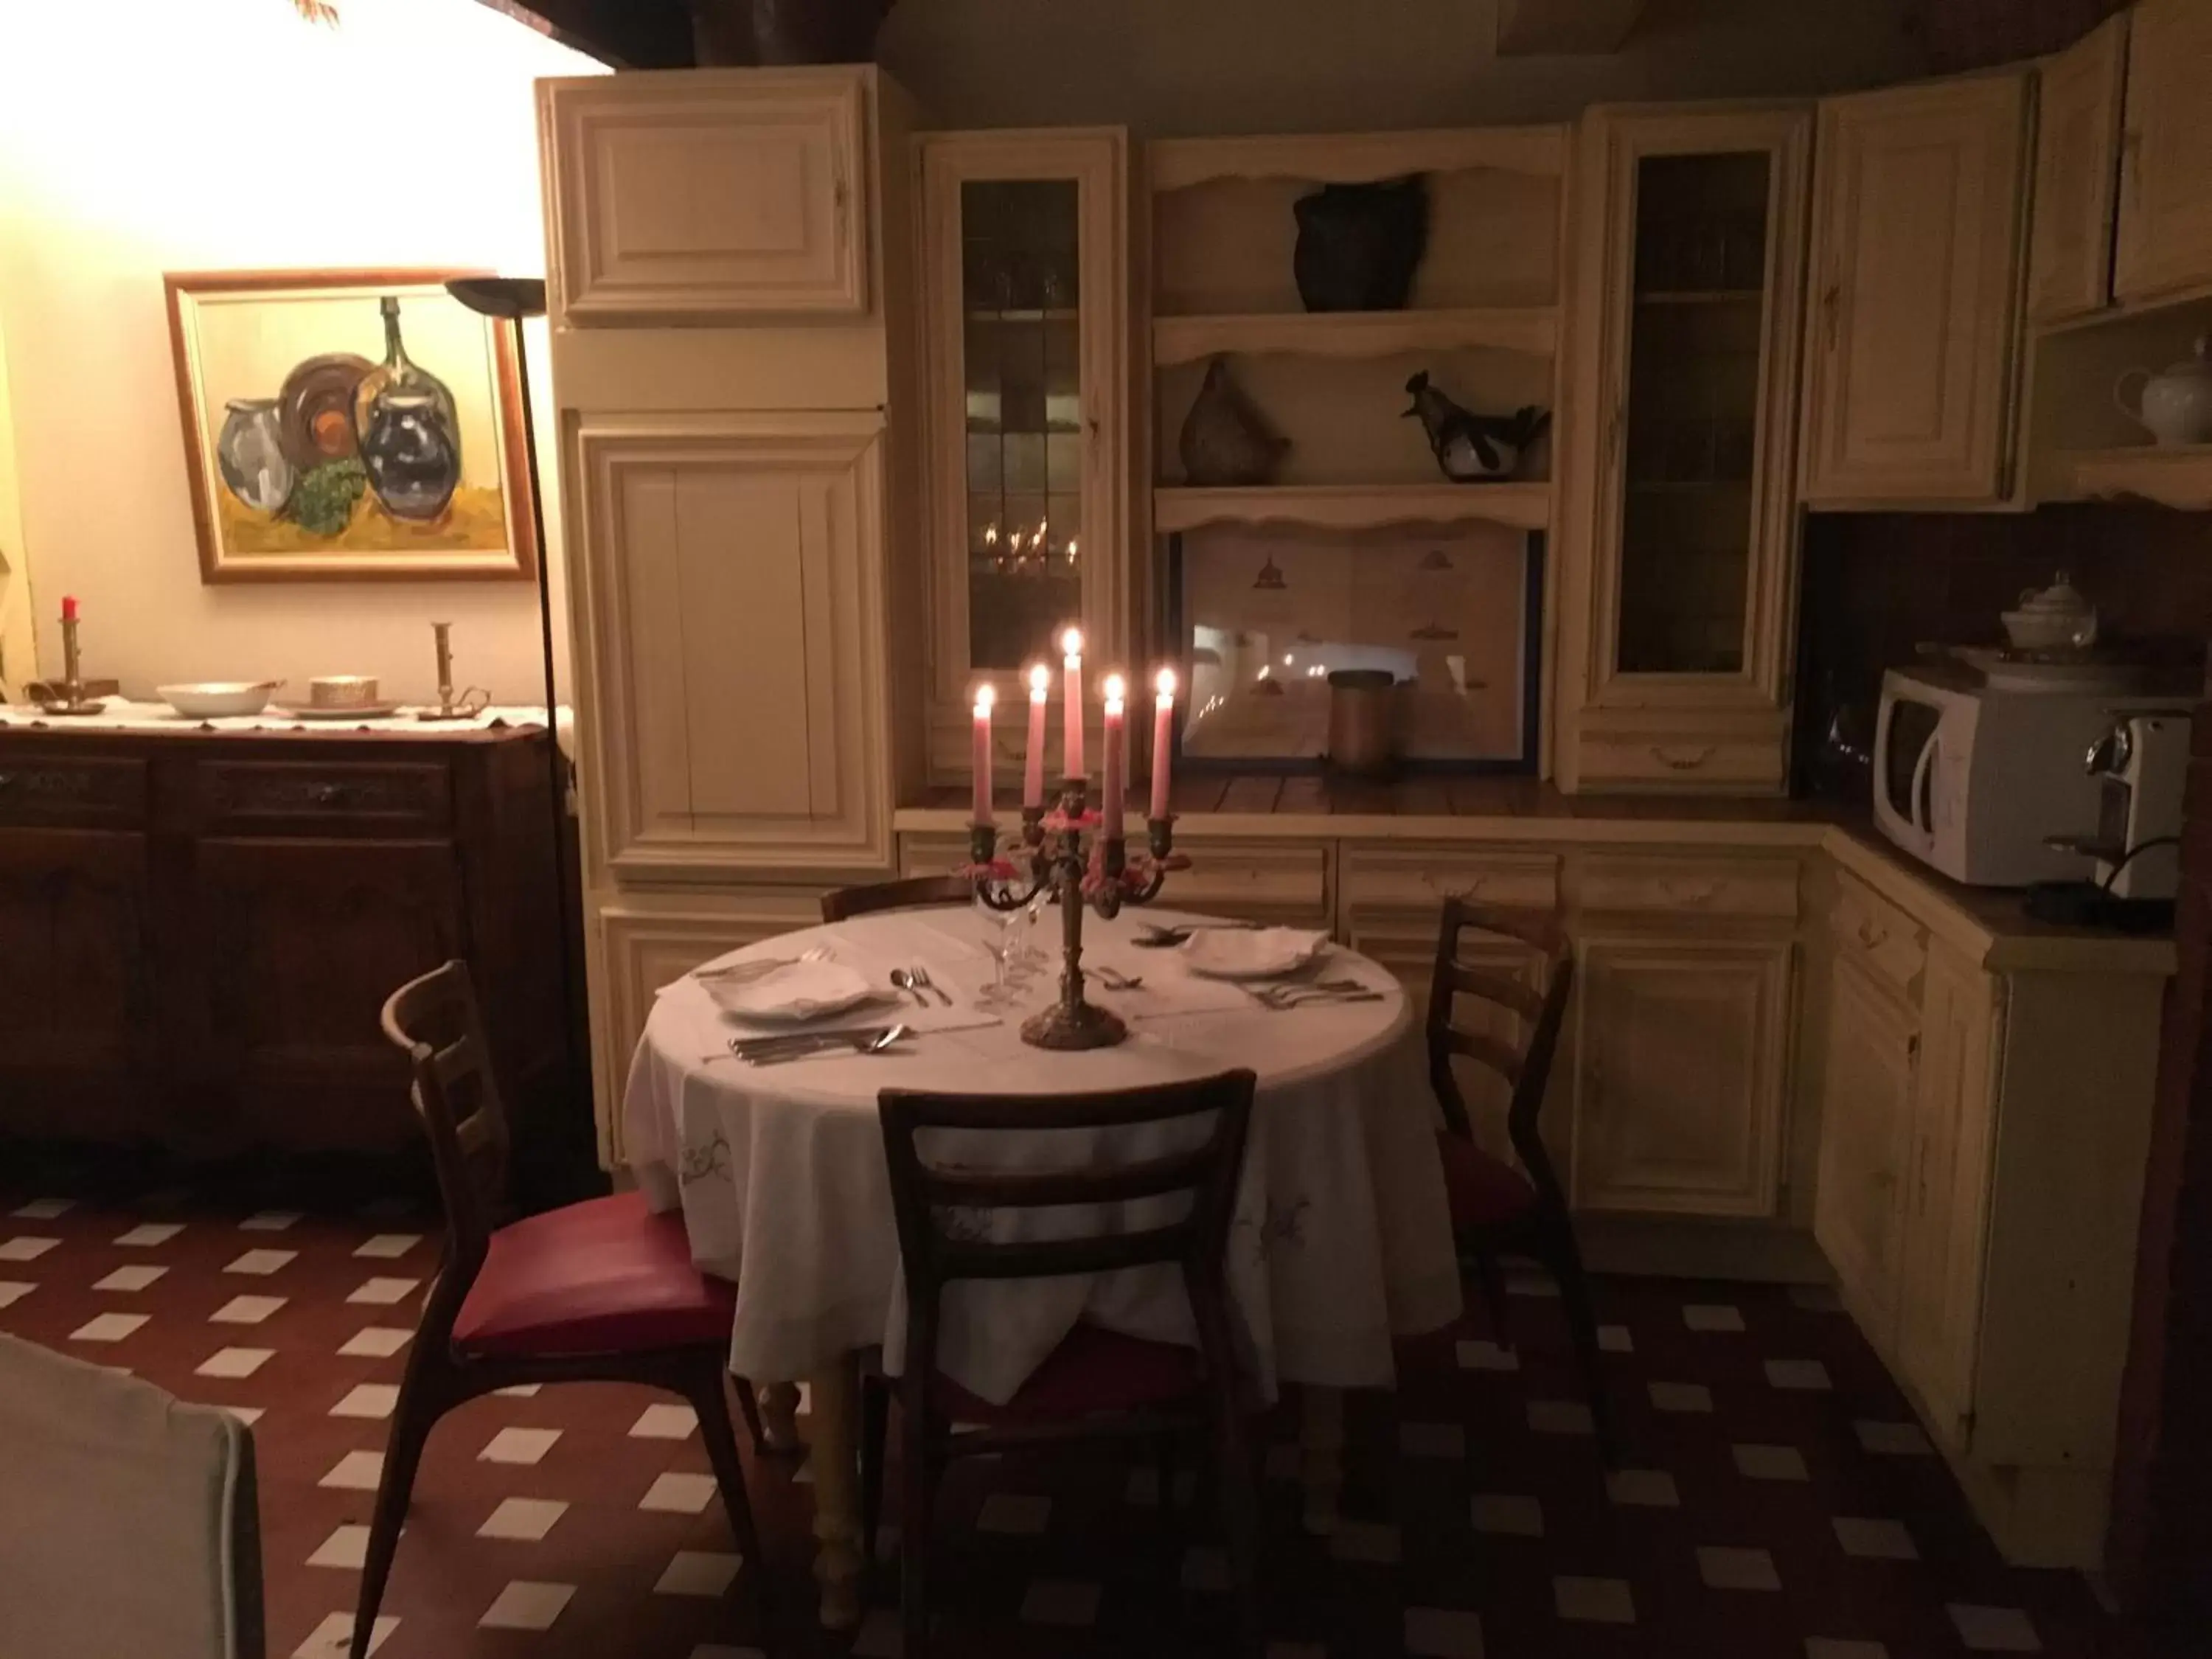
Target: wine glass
998	940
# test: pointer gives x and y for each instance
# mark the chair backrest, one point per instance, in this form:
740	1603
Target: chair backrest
1526	1068
934	1200
847	901
434	1019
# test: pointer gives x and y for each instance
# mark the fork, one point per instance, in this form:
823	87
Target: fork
1283	998
919	976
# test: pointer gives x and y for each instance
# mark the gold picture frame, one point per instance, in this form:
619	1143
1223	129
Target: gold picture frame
349	426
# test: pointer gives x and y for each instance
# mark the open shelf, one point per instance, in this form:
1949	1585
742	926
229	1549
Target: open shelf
1355	507
2173	475
1355	158
1531	329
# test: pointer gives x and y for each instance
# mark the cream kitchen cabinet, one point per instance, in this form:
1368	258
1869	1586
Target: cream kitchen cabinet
1678	535
2165	241
2077	170
1027	349
1910	359
708	197
1867	1112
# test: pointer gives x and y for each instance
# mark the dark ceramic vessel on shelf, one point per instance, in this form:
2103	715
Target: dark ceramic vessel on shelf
413	456
1225	443
1360	245
783	32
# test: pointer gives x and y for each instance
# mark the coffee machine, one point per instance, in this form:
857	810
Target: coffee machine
2140	764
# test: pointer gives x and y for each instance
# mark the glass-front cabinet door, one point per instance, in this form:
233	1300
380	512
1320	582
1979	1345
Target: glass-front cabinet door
1678	538
1025	291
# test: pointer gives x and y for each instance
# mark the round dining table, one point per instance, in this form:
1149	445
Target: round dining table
1341	1241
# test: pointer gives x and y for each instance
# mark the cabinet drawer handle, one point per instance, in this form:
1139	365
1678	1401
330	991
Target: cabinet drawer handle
329	794
1679	762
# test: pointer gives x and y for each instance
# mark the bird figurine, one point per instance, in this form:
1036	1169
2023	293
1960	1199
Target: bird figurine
1471	447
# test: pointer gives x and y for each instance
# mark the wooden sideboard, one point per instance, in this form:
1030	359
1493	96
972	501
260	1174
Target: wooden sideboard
198	931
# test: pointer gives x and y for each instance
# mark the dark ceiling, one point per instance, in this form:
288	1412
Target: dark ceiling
629	34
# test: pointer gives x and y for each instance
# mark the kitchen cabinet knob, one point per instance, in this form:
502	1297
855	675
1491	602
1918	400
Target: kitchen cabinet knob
329	794
1679	762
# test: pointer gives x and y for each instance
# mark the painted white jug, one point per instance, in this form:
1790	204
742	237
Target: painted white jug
2174	407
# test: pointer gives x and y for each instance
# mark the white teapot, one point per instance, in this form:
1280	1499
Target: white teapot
2053	618
2174	407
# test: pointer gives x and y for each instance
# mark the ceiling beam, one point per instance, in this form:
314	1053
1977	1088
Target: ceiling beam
1529	28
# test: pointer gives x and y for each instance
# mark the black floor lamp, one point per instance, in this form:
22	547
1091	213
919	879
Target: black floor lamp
512	298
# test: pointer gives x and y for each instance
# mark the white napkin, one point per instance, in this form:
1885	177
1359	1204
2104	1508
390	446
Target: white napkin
795	991
1256	954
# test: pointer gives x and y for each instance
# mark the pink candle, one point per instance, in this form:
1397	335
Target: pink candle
1162	719
1033	763
1117	758
1071	730
985	696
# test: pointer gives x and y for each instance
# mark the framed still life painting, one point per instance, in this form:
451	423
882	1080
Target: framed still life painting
349	425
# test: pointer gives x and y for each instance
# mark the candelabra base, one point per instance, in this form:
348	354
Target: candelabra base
1072	1026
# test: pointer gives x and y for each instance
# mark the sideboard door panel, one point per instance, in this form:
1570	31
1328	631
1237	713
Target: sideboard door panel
304	940
76	1022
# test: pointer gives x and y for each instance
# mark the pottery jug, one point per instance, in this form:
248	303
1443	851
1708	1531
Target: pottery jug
2174	407
1224	442
249	452
1358	246
412	457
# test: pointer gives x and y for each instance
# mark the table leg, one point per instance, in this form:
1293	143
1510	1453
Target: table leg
1321	1459
779	1409
837	1557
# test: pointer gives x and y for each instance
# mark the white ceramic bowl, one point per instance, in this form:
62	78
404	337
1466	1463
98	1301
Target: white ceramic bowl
2048	630
213	699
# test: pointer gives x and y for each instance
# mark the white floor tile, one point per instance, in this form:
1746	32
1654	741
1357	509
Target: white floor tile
128	1279
245	1310
1873	1540
1893	1439
523	1520
1760	1462
375	1342
150	1233
1019	1514
43	1209
347	1547
261	1263
25	1248
665	1423
1482	1355
677	1493
1594	1601
1560	1417
384	1292
269	1221
1711	1316
1650	1489
1831	1647
1681	1397
249	1415
1061	1602
517	1446
519	1390
107	1327
13	1290
1808	1375
374	1400
332	1638
1432	1440
357	1471
525	1605
234	1362
1372	1543
1725	1566
1442	1633
1615	1339
1994	1630
1509	1514
698	1572
388	1247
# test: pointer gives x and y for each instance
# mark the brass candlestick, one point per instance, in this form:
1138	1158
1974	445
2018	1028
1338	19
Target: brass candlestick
451	706
72	694
1096	873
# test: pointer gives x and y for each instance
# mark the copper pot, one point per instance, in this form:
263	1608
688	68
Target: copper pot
1360	704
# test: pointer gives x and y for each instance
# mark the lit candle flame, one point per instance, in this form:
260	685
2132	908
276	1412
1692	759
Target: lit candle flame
1165	684
1116	689
1040	681
1071	643
986	696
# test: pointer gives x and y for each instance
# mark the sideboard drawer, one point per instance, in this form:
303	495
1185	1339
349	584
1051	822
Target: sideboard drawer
1739	887
1416	880
84	791
399	797
1272	881
1677	762
1886	942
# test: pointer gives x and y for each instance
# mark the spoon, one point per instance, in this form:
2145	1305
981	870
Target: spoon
1116	980
801	1048
904	981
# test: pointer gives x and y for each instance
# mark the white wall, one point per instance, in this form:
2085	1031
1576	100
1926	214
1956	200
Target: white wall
144	135
1175	67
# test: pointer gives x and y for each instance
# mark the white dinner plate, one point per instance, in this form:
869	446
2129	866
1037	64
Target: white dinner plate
1253	953
796	991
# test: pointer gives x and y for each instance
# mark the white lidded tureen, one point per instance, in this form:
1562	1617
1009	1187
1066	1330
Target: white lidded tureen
2175	407
2053	618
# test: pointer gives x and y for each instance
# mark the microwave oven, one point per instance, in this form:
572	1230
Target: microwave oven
1973	779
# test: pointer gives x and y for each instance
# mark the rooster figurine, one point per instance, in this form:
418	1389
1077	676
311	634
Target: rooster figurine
1471	447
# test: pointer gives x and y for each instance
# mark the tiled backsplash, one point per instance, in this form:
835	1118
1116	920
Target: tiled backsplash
1877	584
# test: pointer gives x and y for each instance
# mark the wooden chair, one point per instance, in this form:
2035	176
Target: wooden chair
1097	1383
1497	1209
603	1290
914	891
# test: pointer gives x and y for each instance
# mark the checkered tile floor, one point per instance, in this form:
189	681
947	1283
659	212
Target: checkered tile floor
1776	1500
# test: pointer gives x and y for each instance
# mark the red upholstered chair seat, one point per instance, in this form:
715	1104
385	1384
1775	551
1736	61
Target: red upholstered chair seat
1483	1191
1092	1370
605	1276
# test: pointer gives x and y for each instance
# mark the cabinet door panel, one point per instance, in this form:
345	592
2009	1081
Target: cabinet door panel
1866	1124
1681	1051
2077	166
731	618
77	1020
303	942
2165	201
1915	250
705	197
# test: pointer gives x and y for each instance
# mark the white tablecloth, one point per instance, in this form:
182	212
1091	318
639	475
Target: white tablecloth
1342	1238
